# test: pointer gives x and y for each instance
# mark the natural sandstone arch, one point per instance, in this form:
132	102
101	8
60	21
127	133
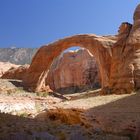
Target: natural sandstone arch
99	46
118	58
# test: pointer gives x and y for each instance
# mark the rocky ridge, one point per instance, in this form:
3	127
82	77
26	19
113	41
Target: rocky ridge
118	58
19	56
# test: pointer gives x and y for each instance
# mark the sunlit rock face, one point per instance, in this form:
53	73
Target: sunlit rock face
73	71
125	67
99	46
121	78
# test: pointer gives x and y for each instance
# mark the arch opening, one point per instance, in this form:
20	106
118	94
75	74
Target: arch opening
74	70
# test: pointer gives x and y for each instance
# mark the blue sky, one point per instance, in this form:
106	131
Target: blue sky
32	23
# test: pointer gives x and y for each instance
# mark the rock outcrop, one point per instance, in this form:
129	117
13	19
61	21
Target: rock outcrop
118	58
16	72
73	71
5	66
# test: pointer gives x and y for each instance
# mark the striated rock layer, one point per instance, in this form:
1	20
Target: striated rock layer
73	71
118	58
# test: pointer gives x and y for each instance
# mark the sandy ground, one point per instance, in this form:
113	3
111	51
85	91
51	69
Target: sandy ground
112	114
117	114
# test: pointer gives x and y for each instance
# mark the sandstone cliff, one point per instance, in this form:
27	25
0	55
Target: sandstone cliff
99	46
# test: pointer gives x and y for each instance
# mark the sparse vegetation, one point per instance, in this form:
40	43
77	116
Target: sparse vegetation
42	94
24	114
38	107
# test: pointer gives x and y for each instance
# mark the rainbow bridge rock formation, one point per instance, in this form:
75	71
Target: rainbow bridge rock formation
118	58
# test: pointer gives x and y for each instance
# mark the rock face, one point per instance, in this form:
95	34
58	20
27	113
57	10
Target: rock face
73	71
118	58
18	56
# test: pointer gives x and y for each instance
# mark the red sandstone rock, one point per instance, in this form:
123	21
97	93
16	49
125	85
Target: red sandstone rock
73	71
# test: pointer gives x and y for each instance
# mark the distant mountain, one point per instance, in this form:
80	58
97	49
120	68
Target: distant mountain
17	55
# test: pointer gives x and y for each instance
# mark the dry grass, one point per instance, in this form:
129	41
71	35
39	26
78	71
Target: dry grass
67	116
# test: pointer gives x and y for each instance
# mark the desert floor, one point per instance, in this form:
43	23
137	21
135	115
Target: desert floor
86	115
